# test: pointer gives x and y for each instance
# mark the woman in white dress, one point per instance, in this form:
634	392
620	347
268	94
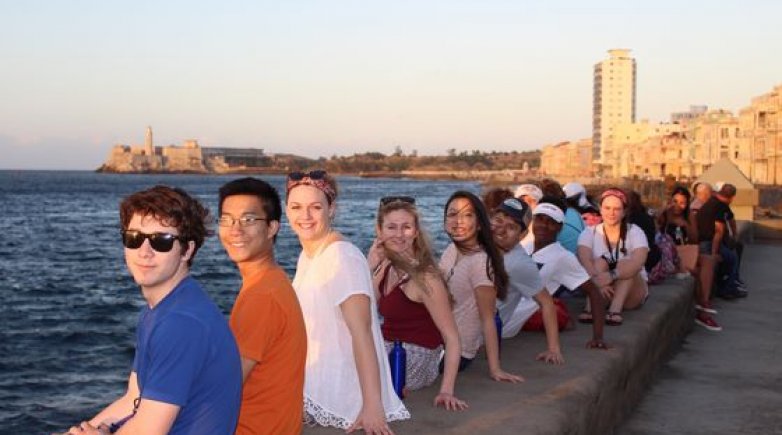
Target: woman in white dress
347	380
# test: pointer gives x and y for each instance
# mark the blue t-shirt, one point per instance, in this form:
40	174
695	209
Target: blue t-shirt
187	356
571	229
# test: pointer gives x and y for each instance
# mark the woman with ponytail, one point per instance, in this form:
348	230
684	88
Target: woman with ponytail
614	253
474	272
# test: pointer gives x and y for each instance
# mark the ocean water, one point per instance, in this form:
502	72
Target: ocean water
68	307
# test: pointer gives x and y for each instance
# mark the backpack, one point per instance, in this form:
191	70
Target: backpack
667	265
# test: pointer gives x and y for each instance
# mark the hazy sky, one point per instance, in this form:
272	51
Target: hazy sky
322	77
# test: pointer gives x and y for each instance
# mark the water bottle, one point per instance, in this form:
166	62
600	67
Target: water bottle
397	359
679	236
498	324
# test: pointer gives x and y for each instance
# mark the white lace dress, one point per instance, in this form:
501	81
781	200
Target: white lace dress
332	393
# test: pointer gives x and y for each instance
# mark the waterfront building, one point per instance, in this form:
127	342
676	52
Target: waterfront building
761	125
568	160
614	103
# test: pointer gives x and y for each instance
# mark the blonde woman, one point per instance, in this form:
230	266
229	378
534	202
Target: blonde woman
413	299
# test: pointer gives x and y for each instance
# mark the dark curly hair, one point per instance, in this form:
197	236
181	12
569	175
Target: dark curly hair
173	207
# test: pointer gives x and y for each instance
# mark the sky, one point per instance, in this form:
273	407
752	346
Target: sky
318	78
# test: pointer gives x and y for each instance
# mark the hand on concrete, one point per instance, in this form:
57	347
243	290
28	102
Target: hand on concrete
450	402
551	357
503	376
372	422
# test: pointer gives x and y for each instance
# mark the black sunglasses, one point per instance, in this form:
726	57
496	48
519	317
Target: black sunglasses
318	174
160	242
389	199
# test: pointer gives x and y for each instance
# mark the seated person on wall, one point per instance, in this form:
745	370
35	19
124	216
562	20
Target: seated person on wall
731	238
675	221
616	250
560	268
475	274
577	199
413	299
573	224
525	289
529	194
266	318
712	228
186	375
638	214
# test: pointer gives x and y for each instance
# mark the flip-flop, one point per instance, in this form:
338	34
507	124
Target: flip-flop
613	319
585	317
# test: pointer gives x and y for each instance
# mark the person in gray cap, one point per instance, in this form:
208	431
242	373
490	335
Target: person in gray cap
525	288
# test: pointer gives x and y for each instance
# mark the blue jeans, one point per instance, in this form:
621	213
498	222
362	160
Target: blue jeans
728	270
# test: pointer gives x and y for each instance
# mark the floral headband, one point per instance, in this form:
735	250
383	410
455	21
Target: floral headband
316	179
616	193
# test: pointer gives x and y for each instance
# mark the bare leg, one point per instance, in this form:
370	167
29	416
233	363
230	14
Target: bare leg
628	294
706	265
601	266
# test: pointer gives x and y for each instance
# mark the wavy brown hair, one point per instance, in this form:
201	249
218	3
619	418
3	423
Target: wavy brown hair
173	207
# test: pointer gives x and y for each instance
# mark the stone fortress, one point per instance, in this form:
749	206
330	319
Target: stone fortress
187	158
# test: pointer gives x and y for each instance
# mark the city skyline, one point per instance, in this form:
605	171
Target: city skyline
356	76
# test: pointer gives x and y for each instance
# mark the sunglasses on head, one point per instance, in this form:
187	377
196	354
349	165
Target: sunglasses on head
389	199
318	174
160	242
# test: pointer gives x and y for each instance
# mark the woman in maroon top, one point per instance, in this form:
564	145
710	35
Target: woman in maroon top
413	299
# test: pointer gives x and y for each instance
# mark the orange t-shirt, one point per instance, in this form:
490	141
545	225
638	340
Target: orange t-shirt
269	328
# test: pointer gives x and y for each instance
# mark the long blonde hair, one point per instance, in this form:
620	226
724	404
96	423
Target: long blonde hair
423	261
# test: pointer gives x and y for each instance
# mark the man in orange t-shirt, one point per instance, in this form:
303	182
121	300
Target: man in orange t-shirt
266	318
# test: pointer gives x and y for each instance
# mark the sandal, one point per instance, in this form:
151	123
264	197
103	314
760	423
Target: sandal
613	319
585	317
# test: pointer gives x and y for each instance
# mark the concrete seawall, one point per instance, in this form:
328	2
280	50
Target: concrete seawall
591	394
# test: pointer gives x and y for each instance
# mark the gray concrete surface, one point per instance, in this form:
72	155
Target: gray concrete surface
592	393
727	382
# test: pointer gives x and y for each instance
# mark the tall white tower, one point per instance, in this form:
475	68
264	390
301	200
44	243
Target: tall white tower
149	148
614	103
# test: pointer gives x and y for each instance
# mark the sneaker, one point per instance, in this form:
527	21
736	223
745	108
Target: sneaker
741	292
728	295
741	282
706	308
708	322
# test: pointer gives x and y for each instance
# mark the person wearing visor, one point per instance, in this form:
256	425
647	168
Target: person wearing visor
526	292
560	268
186	375
614	253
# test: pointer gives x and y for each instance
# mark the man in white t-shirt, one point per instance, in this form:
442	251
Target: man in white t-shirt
525	288
559	267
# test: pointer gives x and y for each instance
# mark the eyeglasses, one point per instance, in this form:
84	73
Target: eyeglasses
244	221
160	242
389	199
318	174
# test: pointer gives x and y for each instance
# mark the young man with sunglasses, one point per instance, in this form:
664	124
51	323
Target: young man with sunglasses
186	375
266	318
